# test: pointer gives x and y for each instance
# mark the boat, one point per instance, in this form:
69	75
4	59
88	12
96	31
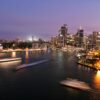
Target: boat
31	64
9	59
74	83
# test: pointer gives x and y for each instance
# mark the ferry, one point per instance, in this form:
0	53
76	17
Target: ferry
74	83
30	64
9	59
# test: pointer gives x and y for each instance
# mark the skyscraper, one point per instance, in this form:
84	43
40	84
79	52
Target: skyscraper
80	35
98	40
63	33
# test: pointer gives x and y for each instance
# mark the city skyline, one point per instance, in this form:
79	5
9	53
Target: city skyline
25	18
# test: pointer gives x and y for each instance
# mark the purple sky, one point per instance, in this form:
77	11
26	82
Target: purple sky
43	18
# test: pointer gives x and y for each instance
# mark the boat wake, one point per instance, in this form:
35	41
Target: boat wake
31	64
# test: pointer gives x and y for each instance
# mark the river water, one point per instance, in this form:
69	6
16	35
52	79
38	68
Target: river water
41	82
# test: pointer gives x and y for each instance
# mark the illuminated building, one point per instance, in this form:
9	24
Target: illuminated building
63	35
98	40
1	47
94	36
85	41
79	37
95	40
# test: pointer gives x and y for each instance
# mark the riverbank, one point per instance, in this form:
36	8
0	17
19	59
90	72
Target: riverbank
16	50
87	65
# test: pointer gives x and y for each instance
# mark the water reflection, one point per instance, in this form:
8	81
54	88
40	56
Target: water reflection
60	56
4	55
26	55
10	64
72	91
13	54
96	80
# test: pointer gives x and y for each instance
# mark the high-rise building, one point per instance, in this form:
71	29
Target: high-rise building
85	41
80	36
94	38
63	34
98	40
54	41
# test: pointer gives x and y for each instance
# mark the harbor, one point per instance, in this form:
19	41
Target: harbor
89	59
39	75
